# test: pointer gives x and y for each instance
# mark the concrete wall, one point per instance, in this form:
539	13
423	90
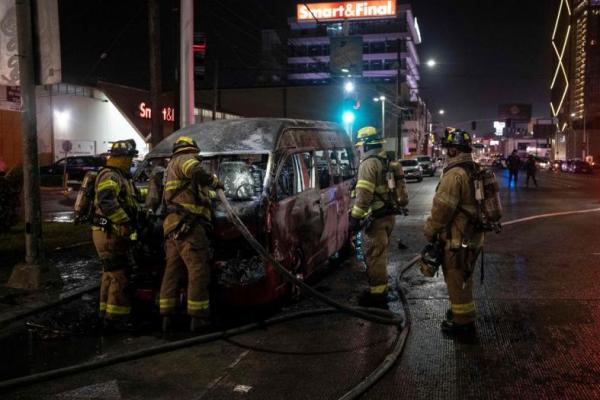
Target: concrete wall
83	120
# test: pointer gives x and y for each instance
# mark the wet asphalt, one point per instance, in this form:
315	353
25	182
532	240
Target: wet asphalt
537	325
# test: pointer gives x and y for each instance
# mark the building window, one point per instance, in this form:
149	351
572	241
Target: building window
376	65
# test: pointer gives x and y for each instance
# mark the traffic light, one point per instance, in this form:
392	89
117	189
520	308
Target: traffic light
473	125
348	117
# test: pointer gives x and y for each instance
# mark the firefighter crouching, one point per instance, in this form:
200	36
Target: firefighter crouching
451	229
380	195
186	228
113	229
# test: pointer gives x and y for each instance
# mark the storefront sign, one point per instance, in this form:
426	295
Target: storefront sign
346	10
168	113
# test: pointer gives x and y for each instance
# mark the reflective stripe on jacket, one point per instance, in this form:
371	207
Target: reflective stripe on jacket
372	190
455	189
116	196
183	169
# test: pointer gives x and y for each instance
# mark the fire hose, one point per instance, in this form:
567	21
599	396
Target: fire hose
372	315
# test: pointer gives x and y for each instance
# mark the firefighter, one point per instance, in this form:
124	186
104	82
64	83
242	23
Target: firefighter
380	193
451	223
186	228
113	230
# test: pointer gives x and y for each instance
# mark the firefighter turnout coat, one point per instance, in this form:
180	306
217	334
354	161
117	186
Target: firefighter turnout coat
115	208
373	197
187	196
457	231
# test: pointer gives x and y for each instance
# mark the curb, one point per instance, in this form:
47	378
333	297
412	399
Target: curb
38	306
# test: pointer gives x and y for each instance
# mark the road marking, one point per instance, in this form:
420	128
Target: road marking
550	215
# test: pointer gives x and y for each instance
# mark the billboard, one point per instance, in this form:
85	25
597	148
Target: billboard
515	112
346	10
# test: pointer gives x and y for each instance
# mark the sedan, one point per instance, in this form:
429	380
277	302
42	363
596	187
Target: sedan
580	167
412	170
426	164
76	168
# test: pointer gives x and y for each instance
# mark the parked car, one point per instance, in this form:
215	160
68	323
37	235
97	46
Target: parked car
556	165
289	181
565	166
412	170
426	165
543	163
580	167
77	167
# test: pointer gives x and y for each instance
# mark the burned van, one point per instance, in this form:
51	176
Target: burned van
289	181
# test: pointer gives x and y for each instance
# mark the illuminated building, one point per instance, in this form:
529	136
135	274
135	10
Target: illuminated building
575	84
373	44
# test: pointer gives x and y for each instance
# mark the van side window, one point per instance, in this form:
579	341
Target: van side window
286	180
323	172
306	171
334	162
346	160
297	175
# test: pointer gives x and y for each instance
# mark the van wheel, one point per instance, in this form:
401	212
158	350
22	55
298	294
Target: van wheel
420	179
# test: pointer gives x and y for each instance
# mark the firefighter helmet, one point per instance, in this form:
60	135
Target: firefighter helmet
185	143
123	148
457	138
368	135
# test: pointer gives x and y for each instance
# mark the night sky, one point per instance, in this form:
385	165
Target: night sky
488	52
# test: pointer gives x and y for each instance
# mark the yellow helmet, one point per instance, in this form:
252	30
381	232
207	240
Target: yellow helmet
125	148
368	135
185	143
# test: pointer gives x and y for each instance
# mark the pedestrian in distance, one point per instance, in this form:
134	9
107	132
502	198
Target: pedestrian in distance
513	164
452	229
188	223
380	195
531	169
114	231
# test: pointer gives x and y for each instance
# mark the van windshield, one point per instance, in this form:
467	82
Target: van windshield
242	175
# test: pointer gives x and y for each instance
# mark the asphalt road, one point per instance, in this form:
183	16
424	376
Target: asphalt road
538	318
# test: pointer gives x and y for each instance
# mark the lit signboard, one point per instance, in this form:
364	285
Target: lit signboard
499	127
346	10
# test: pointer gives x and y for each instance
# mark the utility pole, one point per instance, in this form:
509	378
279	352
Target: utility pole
29	275
155	71
31	171
186	61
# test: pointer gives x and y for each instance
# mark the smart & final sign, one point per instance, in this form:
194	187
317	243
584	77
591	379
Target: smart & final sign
346	10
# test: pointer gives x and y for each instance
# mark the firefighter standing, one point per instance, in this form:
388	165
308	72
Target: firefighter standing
113	229
451	222
380	192
186	226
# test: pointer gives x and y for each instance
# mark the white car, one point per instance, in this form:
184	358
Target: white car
412	170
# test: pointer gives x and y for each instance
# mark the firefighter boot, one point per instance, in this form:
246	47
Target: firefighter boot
198	324
373	300
452	328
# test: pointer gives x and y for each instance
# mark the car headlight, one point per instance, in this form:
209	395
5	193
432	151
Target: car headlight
420	168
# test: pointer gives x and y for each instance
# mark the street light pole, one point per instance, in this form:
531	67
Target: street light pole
382	98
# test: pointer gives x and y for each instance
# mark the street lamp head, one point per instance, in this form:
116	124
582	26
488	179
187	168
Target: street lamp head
376	99
442	112
349	87
382	98
431	63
